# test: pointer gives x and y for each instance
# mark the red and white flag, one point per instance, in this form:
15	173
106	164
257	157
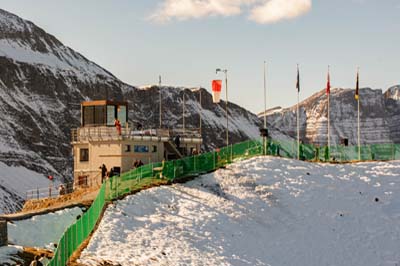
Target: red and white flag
216	90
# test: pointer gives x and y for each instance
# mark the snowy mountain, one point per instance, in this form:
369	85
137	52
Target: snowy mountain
43	82
379	117
263	211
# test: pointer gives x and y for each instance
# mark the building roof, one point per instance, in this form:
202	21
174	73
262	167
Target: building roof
103	102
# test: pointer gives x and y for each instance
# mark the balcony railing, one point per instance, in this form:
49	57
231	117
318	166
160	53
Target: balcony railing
92	133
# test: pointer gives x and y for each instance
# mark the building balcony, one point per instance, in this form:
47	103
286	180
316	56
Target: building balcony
110	133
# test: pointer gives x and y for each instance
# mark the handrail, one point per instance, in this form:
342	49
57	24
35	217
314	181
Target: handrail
112	133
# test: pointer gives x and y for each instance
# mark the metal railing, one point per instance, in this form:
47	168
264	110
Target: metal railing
52	191
88	133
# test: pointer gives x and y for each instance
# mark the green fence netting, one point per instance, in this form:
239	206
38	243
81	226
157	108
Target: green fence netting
145	176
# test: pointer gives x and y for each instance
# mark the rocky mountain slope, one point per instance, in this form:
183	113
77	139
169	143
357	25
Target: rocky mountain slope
379	117
43	82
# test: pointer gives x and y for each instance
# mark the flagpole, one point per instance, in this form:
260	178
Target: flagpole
358	115
183	113
226	108
329	113
265	108
298	127
200	111
298	116
359	147
159	86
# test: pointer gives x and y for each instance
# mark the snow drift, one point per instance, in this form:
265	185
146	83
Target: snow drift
264	211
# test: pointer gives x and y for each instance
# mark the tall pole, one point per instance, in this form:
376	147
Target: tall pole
226	107
159	87
226	102
265	97
358	122
358	114
265	109
298	115
183	112
329	113
298	127
200	111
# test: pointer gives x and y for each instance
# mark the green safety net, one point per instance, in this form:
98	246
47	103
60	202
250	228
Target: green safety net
145	176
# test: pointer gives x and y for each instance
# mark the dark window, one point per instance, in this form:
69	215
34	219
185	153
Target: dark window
141	148
154	148
99	115
127	148
84	155
88	115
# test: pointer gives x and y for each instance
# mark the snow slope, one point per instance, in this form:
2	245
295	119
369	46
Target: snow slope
14	182
264	211
34	232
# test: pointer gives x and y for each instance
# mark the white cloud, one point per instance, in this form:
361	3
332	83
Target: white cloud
275	10
187	9
261	11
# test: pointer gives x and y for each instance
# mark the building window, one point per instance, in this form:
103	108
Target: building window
141	148
154	148
84	155
127	148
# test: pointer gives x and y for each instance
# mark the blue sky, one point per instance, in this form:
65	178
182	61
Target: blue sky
139	39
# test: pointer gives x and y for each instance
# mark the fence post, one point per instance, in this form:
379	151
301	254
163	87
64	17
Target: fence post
231	153
392	151
214	160
37	192
116	185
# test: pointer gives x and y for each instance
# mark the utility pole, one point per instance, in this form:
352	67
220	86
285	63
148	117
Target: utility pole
159	88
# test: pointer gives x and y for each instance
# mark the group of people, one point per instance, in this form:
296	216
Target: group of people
137	163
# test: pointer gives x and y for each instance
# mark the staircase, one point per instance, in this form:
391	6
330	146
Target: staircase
172	151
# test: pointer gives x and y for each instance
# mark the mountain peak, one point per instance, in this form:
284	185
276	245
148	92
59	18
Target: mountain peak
10	23
24	42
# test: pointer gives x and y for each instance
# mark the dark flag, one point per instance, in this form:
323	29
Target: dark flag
328	84
356	96
298	79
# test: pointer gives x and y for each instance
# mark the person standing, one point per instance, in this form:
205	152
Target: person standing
36	262
43	259
103	172
118	126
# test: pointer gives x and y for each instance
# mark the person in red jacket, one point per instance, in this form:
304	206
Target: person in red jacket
118	126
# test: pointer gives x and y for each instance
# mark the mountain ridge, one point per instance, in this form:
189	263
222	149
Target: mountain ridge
43	82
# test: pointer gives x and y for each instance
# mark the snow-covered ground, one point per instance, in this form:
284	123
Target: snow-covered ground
42	231
14	182
264	211
8	255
